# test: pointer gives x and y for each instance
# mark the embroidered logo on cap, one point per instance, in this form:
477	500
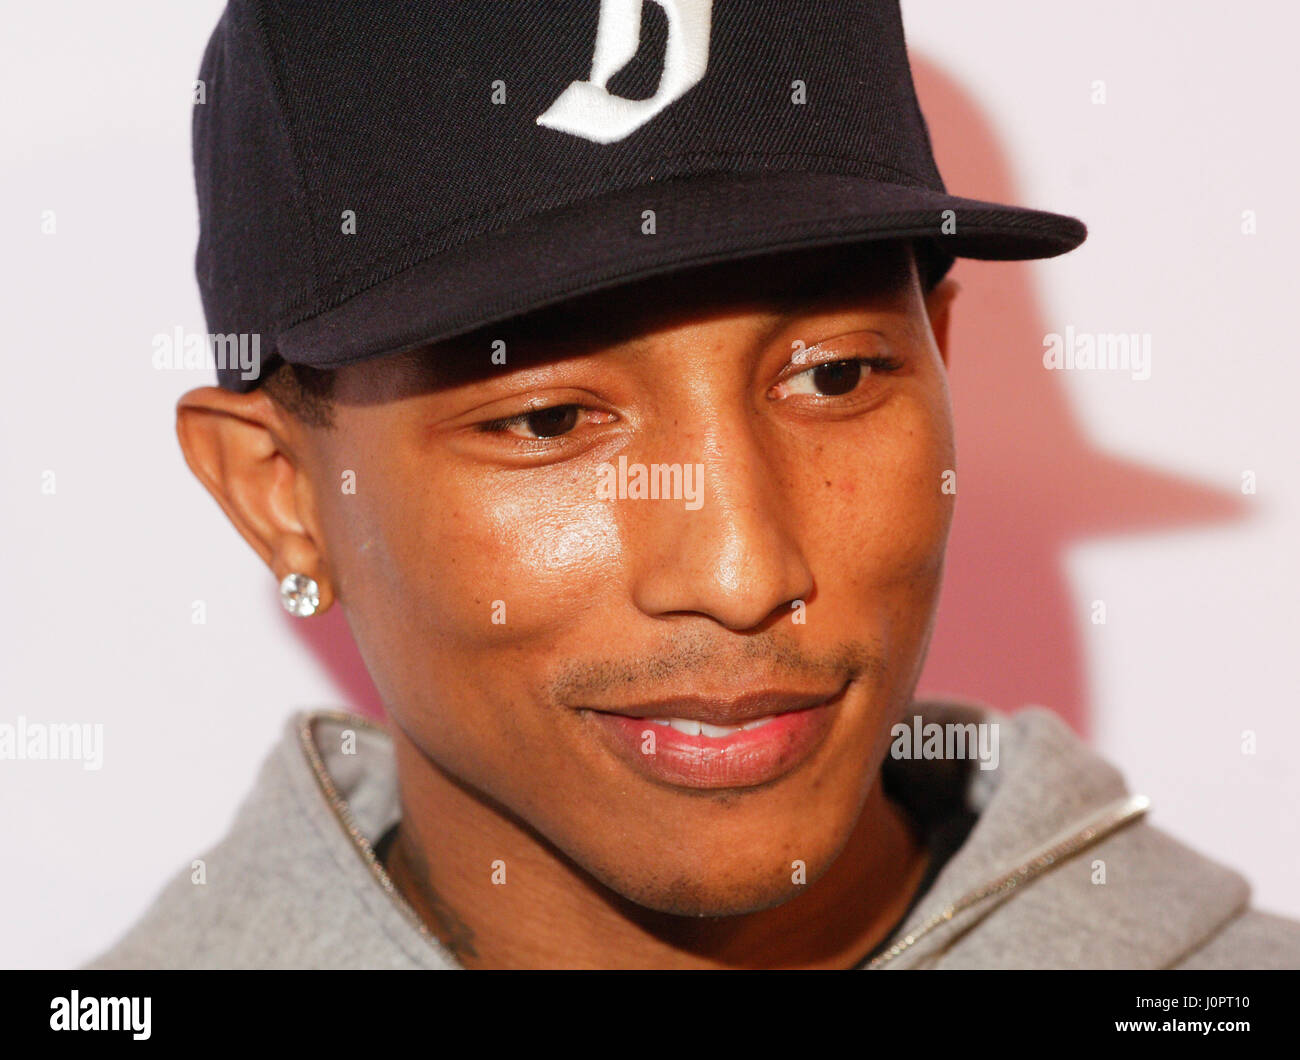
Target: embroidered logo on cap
588	109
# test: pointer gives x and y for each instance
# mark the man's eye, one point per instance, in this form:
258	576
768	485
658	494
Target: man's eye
540	423
835	378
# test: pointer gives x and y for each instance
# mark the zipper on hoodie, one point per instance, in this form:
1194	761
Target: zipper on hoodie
1113	817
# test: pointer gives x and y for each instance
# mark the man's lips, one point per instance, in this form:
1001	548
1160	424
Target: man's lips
734	712
711	743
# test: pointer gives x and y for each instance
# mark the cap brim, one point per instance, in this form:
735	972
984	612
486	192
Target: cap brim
550	257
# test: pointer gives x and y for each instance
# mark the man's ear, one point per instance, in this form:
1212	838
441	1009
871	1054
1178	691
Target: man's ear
238	446
938	306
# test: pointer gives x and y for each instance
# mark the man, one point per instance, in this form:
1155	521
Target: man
606	395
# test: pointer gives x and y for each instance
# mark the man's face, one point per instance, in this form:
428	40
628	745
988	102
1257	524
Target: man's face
523	609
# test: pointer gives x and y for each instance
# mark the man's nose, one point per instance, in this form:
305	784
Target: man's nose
736	557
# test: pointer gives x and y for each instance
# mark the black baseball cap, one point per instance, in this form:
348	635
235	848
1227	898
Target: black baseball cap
375	176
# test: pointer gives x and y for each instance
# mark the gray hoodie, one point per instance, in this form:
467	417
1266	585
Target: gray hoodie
1060	868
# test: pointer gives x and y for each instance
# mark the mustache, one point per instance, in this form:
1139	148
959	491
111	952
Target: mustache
689	657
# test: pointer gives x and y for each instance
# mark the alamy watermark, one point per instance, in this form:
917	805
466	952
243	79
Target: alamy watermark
204	352
52	741
651	482
953	740
1098	351
77	1013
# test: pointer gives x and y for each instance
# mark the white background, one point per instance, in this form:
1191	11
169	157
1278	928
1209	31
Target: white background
98	580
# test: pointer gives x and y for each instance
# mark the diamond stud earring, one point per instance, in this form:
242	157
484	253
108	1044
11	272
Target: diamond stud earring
300	595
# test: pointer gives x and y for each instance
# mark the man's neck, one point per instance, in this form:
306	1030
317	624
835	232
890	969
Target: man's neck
545	912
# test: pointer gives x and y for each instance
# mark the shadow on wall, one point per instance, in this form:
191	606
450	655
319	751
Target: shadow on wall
1030	484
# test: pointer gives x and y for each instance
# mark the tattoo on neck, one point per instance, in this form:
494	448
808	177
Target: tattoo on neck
452	930
412	881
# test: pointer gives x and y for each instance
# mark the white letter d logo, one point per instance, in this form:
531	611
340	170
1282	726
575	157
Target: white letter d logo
587	109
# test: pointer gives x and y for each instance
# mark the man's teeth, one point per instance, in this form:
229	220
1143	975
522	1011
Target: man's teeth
702	728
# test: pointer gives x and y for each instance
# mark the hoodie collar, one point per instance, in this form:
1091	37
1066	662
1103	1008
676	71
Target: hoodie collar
1059	869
